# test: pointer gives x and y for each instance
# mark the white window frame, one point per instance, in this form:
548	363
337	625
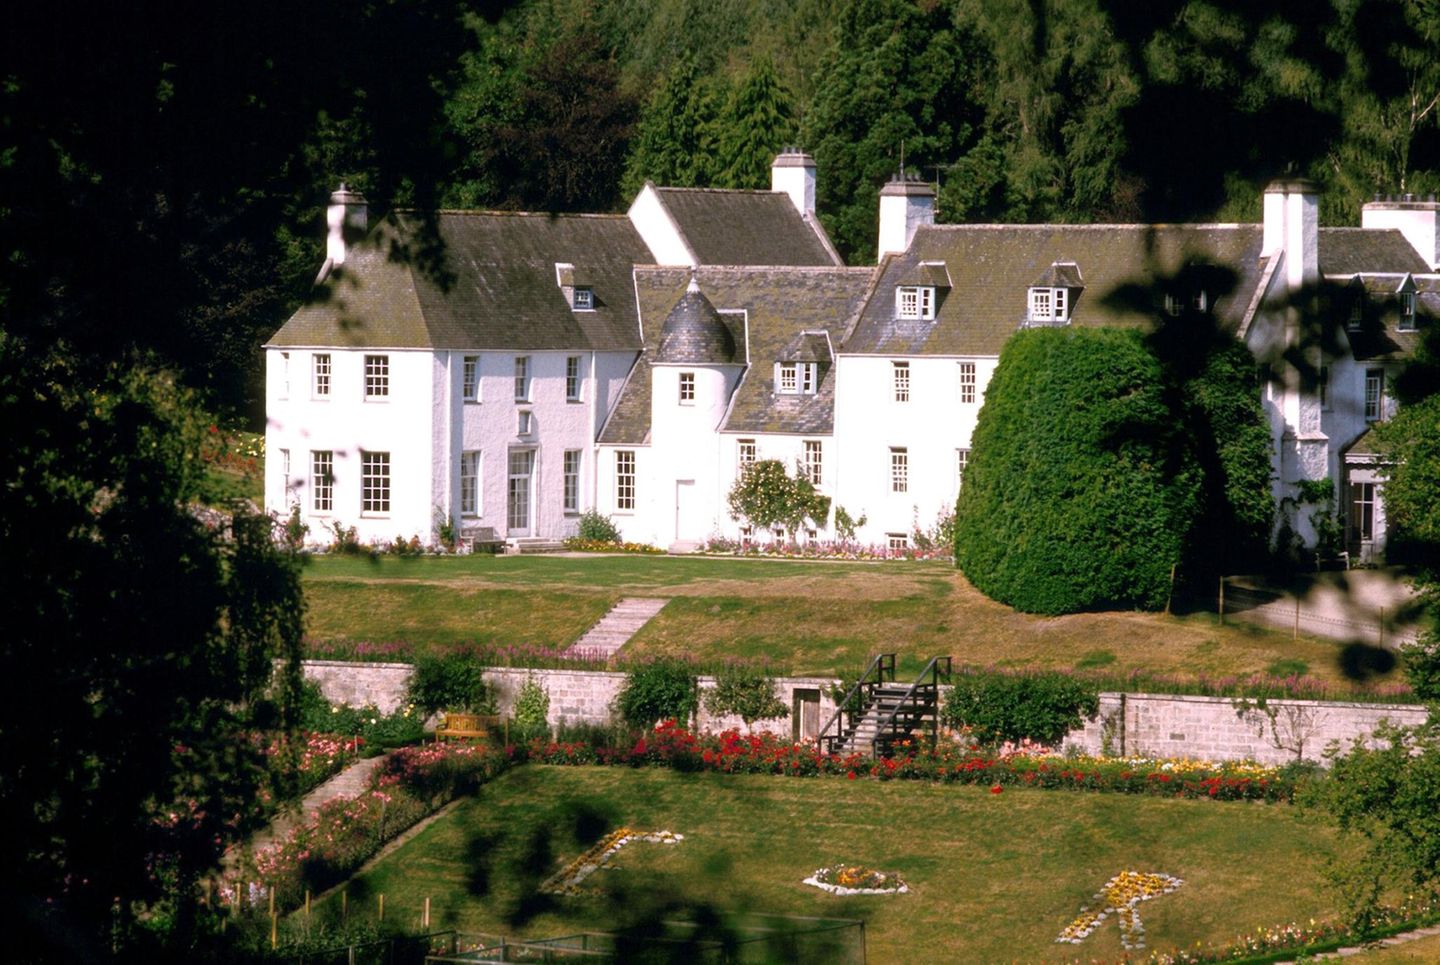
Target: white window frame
522	378
900	381
377	378
814	460
808	381
746	452
899	469
286	492
583	300
374	483
687	388
572	378
1322	387
470	464
1407	312
1052	304
962	462
915	301
470	378
1356	321
1374	395
967	383
897	542
787	379
524	422
625	480
322	480
284	375
322	369
570	492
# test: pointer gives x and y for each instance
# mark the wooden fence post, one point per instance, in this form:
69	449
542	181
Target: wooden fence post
425	915
1222	601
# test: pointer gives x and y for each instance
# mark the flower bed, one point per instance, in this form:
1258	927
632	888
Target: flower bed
825	550
1120	895
568	879
412	783
843	879
951	763
577	545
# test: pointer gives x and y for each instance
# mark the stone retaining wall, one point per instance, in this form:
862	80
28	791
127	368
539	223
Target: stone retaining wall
1155	725
1227	729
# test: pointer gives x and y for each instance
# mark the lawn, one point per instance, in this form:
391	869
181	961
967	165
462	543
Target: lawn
993	877
800	617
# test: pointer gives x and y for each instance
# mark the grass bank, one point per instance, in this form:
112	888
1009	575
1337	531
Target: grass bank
799	617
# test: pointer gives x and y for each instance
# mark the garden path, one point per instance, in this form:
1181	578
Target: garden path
616	628
348	783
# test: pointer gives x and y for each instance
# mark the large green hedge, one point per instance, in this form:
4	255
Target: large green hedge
1082	487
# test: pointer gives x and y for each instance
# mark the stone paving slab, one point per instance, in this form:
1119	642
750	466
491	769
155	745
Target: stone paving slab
616	628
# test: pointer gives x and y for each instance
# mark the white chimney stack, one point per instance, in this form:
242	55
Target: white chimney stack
1292	225
347	218
905	204
793	172
1417	220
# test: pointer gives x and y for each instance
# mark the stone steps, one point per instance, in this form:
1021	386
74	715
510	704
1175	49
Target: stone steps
616	628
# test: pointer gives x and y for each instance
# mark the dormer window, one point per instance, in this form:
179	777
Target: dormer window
1049	304
583	300
915	301
1407	312
1357	312
796	378
1198	302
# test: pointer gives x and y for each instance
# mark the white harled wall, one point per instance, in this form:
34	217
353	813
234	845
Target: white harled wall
931	426
346	423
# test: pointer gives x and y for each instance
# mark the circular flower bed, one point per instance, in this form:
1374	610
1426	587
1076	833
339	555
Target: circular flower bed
850	879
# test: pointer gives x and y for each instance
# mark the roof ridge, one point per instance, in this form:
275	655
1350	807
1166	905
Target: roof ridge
487	212
1051	226
760	191
750	269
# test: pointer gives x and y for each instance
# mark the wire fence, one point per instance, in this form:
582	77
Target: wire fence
1239	599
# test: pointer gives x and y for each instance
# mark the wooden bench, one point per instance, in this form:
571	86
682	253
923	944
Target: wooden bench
466	726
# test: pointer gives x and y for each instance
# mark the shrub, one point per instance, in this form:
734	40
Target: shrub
1076	496
532	711
767	496
745	691
294	530
597	528
661	689
450	681
1039	707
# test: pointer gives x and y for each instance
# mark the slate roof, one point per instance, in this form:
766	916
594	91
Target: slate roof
1350	251
694	332
1380	338
728	227
992	268
496	287
779	305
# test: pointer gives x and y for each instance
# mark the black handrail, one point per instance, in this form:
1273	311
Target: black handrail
882	665
937	667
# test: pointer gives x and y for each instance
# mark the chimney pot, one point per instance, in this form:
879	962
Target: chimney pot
347	218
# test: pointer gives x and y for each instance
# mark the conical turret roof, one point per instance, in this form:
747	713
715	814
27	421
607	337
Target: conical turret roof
695	333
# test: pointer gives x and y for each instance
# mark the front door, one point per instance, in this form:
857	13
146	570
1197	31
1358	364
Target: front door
805	714
517	492
686	527
1362	521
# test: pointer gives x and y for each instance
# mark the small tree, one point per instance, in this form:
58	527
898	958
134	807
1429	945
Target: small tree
747	692
453	682
661	689
766	495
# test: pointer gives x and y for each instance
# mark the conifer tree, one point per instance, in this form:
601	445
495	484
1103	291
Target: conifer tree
670	146
752	128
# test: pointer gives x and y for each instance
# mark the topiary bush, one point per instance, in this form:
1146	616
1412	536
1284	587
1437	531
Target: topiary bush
1080	488
662	689
1041	707
453	682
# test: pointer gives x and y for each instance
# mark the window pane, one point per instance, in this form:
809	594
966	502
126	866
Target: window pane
522	377
900	372
377	376
470	483
899	470
572	481
572	378
967	382
625	479
375	482
321	370
471	389
322	480
814	457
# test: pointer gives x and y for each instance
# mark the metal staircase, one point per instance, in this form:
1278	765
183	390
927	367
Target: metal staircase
878	713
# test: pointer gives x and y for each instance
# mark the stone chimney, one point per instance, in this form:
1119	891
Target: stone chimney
793	172
906	203
1292	225
347	218
1418	220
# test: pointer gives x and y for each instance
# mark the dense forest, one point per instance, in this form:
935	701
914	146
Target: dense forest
205	160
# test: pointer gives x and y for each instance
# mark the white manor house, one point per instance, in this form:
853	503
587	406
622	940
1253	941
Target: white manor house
545	365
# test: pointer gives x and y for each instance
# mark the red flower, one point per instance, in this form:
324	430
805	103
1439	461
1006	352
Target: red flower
851	775
996	789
